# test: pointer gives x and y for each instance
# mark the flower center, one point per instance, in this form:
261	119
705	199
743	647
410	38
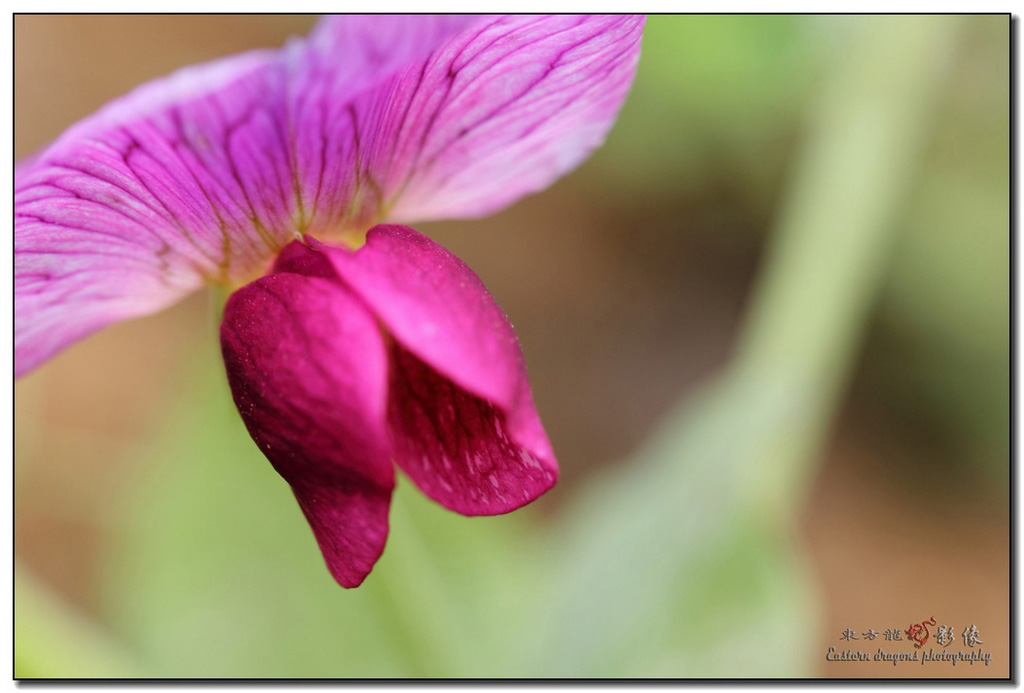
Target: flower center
352	238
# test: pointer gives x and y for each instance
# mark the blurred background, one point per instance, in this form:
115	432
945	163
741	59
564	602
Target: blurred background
724	508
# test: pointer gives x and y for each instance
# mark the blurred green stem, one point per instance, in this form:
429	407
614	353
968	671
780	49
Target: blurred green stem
657	554
217	297
828	256
422	605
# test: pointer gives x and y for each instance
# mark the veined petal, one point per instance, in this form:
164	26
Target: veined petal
205	175
501	110
341	82
463	423
184	180
377	46
307	368
198	177
460	450
497	109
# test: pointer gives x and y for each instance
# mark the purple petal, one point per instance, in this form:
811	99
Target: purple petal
342	80
307	368
463	423
500	111
195	178
497	110
183	181
375	47
203	176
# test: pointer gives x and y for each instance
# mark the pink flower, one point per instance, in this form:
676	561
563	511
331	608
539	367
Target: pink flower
339	360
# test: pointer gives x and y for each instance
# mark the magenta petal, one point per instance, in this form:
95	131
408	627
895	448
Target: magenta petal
184	180
457	448
375	47
308	371
299	258
429	117
341	81
502	110
461	393
436	307
202	176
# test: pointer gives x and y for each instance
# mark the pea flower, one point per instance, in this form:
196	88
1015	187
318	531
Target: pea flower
351	342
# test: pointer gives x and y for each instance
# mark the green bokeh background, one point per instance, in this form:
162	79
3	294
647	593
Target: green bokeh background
794	216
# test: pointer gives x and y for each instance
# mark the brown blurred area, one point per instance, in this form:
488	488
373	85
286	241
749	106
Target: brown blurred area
621	311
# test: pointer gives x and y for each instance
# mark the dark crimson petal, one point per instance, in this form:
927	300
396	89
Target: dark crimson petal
307	369
463	421
299	258
457	448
